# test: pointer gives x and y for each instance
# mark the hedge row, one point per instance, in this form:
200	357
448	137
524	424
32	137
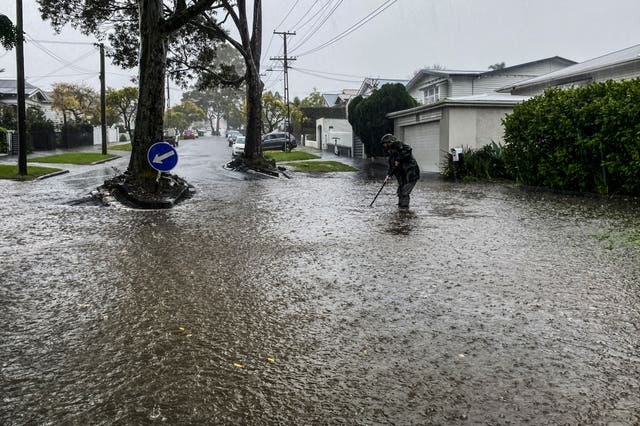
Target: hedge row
580	139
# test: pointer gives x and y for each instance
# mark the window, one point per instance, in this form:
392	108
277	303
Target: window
431	94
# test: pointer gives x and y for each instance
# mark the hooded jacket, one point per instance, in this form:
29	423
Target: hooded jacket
407	170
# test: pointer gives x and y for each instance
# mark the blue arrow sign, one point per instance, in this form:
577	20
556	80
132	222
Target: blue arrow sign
162	156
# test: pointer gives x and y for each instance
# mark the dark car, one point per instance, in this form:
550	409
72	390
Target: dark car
278	141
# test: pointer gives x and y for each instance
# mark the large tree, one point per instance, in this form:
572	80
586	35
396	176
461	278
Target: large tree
218	103
151	34
76	101
8	33
368	116
124	103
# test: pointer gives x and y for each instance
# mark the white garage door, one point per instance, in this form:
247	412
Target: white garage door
425	141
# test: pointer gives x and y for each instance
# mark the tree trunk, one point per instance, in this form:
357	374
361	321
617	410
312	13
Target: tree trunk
149	115
253	145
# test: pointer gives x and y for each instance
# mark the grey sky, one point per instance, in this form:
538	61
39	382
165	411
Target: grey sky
406	36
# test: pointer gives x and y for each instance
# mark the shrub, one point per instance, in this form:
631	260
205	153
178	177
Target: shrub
581	139
4	146
484	163
123	137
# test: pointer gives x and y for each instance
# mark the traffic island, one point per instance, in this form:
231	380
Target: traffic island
258	165
162	193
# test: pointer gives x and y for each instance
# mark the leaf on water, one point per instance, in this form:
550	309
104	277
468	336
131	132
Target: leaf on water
235	364
270	359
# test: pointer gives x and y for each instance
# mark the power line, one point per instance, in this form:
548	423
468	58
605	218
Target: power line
288	13
325	77
316	26
354	27
295	26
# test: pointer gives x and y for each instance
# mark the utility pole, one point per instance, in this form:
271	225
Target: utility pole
286	60
22	131
103	101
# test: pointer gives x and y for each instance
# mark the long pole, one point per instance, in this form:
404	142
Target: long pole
22	130
103	101
286	60
379	191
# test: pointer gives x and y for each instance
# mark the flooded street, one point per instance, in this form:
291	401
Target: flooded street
292	302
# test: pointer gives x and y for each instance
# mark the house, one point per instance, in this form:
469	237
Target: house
623	64
334	133
340	98
33	96
461	108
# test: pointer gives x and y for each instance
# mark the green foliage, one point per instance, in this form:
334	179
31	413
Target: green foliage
8	33
183	115
73	158
290	156
8	171
4	146
320	166
368	116
481	164
314	98
582	139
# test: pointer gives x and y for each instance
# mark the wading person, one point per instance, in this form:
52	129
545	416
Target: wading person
403	166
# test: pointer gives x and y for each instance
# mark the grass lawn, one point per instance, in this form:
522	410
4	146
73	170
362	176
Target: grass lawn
320	166
121	147
73	158
10	171
289	156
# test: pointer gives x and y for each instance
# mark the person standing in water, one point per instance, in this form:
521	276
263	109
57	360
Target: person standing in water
403	166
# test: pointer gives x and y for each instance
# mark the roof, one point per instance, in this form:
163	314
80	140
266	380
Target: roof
630	54
485	100
441	73
9	87
374	83
477	73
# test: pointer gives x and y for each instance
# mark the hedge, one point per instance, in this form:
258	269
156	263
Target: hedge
579	139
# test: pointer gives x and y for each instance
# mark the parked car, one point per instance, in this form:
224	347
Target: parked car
232	135
275	141
170	136
201	131
237	147
188	134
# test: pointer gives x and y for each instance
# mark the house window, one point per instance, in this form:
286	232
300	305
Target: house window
431	94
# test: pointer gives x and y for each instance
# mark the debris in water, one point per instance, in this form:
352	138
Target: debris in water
235	364
271	359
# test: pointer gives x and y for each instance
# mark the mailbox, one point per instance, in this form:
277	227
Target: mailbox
456	154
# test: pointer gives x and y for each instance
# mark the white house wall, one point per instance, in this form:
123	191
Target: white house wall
341	129
462	87
475	127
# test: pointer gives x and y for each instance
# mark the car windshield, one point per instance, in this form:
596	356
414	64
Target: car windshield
240	140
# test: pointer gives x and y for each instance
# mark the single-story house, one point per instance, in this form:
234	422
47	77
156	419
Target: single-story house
623	64
461	108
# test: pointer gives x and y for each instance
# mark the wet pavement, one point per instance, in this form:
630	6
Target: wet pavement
291	301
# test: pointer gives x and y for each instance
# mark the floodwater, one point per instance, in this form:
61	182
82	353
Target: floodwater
292	302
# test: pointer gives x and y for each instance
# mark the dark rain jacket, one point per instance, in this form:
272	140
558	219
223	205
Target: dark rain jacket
407	170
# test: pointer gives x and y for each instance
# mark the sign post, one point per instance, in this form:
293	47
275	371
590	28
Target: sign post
162	156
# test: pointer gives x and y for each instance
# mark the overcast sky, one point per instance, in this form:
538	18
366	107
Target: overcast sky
379	38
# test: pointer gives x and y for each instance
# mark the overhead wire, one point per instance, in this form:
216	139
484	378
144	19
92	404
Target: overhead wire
287	15
357	25
317	25
315	74
295	27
